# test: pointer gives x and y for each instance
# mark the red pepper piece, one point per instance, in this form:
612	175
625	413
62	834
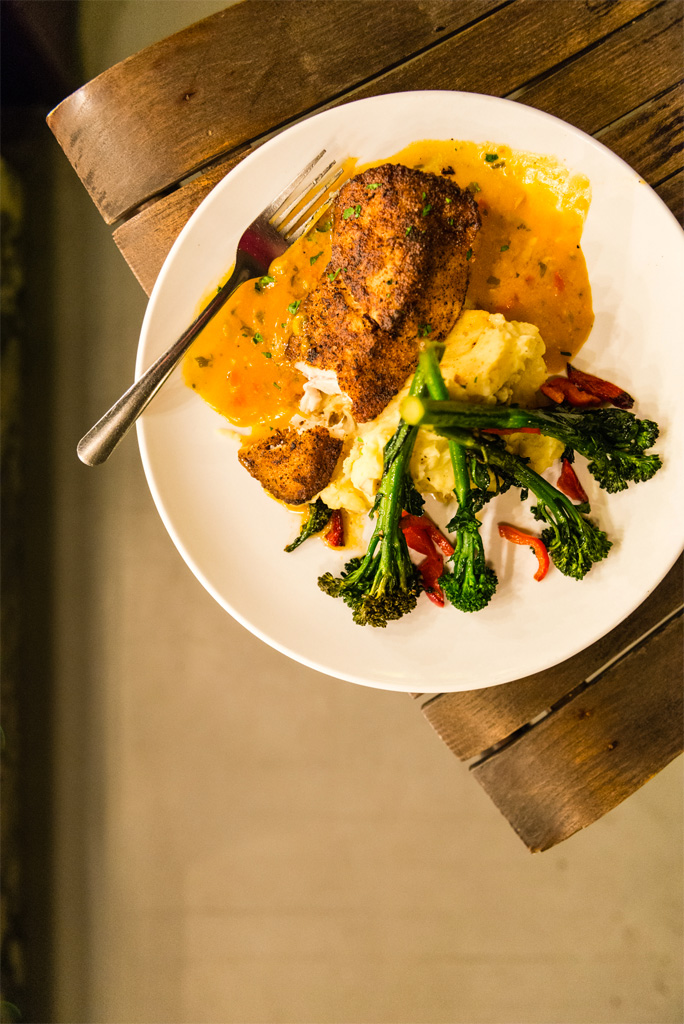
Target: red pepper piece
511	430
558	282
334	535
433	532
568	482
560	389
416	530
602	389
519	537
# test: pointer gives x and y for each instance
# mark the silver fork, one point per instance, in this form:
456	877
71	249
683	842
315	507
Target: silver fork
284	220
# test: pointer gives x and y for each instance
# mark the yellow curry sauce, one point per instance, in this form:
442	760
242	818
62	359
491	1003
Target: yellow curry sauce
526	264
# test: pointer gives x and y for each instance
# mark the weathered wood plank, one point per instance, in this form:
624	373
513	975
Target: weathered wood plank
155	118
671	191
514	46
651	138
471	722
146	239
588	756
625	71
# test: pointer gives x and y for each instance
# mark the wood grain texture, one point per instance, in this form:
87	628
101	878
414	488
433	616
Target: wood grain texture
671	191
145	240
471	722
591	754
515	45
597	87
651	138
164	113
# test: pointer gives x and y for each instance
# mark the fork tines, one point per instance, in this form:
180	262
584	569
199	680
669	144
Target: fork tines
292	206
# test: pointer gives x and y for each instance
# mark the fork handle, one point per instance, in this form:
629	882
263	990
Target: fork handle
97	445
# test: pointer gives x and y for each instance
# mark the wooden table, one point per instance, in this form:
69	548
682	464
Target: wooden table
153	135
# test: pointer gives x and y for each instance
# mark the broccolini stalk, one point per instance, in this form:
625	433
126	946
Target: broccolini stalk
471	583
613	440
384	584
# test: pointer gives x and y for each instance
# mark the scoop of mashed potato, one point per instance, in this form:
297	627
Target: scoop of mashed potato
486	359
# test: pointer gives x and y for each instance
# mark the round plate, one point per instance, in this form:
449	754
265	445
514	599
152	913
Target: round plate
231	534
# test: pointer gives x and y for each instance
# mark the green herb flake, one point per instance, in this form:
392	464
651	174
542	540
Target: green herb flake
504	248
474	187
313	259
264	282
257	338
424	330
268	355
202	361
426	210
469	254
372	188
447	200
409	229
277	385
294	306
491	157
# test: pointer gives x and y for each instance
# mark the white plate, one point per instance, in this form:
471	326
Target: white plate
232	535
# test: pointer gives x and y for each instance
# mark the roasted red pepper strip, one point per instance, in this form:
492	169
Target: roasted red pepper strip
568	482
560	389
519	537
600	388
334	535
433	532
511	430
418	532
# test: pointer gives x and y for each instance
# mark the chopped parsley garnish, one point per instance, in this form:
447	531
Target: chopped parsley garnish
332	276
351	211
426	210
313	259
409	229
202	361
267	354
257	338
294	306
491	157
504	248
372	188
264	282
474	187
424	330
469	254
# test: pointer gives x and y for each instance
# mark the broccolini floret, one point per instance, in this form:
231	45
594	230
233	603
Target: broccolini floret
384	584
318	517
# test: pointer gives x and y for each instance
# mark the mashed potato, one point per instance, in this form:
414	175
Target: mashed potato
486	359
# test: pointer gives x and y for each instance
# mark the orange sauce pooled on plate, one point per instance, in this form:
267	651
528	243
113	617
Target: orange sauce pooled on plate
526	264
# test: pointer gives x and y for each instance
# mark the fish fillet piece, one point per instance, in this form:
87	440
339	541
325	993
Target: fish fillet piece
371	366
400	244
293	465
